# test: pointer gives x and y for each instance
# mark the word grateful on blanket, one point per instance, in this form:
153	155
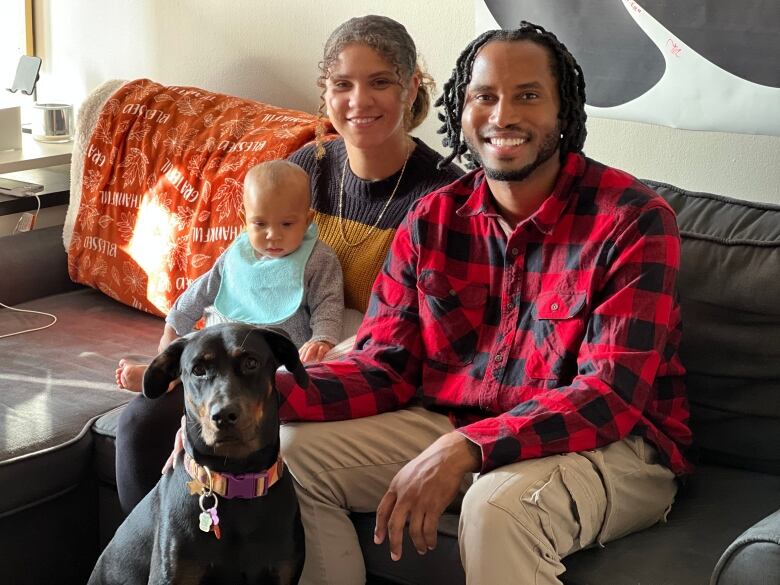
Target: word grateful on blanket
163	186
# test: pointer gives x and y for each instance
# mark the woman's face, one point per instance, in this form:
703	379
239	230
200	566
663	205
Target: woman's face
364	99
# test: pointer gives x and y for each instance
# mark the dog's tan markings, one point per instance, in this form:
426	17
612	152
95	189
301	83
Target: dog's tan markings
207	430
188	573
257	412
190	401
201	412
285	573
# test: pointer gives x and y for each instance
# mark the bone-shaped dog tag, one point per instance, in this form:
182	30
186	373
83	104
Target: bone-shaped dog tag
213	514
204	520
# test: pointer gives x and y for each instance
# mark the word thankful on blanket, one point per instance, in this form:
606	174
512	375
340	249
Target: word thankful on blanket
163	185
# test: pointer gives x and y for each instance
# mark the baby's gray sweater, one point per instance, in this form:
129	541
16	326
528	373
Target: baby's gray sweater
317	319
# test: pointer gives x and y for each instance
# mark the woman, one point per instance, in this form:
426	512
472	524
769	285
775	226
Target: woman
374	92
363	183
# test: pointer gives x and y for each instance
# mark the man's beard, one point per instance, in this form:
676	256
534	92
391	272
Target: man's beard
547	150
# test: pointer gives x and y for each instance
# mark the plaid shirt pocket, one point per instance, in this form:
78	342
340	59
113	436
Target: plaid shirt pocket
558	332
453	311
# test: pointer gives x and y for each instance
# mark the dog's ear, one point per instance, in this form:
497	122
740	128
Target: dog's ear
286	353
164	369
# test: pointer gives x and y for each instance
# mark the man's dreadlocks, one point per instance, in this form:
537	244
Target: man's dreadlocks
568	74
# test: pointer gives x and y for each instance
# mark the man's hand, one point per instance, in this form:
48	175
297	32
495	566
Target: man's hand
314	351
422	490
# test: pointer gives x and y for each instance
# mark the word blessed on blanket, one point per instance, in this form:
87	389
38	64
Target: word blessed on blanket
163	185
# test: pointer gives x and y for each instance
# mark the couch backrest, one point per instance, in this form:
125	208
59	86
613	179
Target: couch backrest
730	294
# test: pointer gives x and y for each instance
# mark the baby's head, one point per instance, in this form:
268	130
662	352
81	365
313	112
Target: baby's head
276	206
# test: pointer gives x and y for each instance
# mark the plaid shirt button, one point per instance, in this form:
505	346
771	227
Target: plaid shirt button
515	251
554	307
499	357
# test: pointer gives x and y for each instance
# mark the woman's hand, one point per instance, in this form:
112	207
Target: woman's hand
178	447
314	351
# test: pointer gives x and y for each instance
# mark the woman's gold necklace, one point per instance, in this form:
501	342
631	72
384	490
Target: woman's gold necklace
381	213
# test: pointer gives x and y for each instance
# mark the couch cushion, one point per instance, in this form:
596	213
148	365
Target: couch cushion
730	294
758	546
44	439
716	506
710	512
55	382
104	435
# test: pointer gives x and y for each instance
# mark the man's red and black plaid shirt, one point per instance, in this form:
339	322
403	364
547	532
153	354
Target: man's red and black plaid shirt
560	337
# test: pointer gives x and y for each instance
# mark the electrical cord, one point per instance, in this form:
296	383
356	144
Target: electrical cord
53	317
3	305
19	223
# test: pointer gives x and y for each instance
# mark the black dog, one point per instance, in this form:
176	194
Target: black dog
215	518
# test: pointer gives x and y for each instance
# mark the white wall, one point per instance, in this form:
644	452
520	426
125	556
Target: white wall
269	50
737	165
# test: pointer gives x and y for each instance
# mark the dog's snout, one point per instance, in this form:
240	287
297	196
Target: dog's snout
224	416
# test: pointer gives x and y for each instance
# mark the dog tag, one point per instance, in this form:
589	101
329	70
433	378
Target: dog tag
195	487
213	513
205	521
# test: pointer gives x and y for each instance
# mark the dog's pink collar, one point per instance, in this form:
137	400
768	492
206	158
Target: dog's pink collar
228	485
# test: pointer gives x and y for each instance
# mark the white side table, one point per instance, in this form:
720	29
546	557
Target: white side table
35	155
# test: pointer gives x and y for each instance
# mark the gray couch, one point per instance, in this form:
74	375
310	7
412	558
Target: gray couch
58	411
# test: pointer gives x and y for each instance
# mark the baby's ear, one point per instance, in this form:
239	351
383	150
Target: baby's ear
310	217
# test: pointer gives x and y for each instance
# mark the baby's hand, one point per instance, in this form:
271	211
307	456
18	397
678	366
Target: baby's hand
314	351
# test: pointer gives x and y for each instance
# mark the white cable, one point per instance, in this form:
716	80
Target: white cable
53	317
54	320
35	216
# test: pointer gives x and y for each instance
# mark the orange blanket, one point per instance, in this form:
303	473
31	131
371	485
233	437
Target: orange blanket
163	184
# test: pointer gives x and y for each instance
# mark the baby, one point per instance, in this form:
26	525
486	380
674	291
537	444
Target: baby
275	273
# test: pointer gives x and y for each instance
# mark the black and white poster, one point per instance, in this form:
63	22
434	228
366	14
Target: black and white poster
693	64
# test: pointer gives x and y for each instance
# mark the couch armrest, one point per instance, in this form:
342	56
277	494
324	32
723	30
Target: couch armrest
753	558
33	265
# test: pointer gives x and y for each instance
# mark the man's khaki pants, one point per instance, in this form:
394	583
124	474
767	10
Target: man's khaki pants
517	522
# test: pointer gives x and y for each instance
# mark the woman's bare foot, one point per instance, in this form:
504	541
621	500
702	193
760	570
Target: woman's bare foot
130	376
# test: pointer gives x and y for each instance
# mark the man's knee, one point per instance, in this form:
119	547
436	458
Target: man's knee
305	447
487	508
542	504
297	442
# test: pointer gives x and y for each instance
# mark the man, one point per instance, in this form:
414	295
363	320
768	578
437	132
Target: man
532	306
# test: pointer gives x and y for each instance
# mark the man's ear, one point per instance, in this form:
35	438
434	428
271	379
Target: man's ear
164	369
286	353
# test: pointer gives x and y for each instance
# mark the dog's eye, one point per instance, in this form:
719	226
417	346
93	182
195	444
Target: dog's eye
199	370
250	363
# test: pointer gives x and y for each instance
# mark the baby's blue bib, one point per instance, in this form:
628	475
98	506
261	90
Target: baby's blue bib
262	291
